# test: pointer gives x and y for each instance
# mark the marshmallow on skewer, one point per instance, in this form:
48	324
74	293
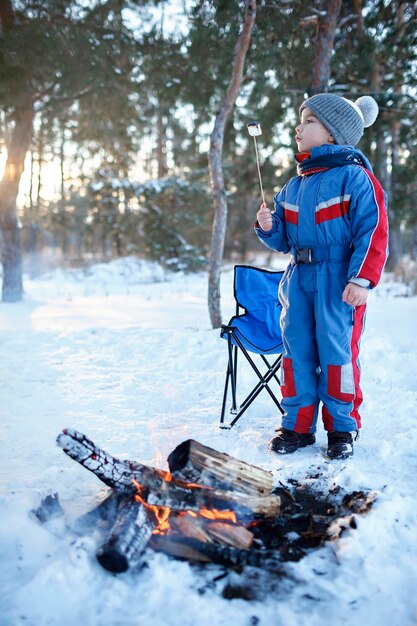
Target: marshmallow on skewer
254	129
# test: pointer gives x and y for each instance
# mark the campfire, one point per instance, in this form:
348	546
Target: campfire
209	507
206	500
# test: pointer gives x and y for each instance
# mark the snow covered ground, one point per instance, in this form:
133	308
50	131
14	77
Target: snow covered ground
125	354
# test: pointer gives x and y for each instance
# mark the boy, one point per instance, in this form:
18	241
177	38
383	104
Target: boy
332	217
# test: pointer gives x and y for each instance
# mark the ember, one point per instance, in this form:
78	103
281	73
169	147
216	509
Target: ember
209	507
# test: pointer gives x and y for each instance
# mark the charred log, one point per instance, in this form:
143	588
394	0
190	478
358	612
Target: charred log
230	534
49	508
160	488
186	548
195	463
111	471
206	530
183	548
103	514
128	538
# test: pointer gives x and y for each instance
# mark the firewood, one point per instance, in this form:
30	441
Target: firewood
128	537
244	505
230	534
179	548
111	471
193	462
193	550
207	530
49	508
103	513
188	526
161	488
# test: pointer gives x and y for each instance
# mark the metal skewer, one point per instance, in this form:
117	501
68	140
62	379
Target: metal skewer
254	129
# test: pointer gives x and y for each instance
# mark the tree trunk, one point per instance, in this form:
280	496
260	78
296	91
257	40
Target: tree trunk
357	7
19	144
11	252
215	164
323	46
61	204
40	146
395	239
161	141
32	225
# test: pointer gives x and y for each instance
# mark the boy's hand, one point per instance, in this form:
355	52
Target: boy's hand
354	294
264	217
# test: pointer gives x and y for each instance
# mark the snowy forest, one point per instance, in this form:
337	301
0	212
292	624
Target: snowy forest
108	111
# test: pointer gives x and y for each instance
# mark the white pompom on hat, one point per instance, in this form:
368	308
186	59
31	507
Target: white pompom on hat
345	119
369	109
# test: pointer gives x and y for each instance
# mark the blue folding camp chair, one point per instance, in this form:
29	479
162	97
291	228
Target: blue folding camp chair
255	331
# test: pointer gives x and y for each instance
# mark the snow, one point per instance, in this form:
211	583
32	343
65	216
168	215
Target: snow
124	352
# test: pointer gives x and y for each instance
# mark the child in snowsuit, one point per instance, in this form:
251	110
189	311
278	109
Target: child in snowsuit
332	218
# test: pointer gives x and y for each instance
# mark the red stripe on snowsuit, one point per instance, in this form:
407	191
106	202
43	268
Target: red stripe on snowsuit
288	386
354	346
376	255
305	418
331	212
334	374
291	216
328	421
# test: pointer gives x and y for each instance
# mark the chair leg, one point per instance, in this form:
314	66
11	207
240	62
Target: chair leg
233	372
269	366
276	365
262	384
226	388
231	377
263	379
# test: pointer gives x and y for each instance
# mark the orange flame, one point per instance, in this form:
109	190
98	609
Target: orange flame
162	513
214	514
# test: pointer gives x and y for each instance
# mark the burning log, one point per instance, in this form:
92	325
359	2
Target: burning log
128	537
190	549
161	488
194	497
195	463
180	547
188	526
206	530
230	534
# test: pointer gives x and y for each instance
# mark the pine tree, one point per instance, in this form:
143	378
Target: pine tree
80	50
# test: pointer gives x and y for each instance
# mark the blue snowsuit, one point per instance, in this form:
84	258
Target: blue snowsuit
332	217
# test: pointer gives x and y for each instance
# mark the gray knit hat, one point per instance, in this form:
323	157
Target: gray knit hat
343	118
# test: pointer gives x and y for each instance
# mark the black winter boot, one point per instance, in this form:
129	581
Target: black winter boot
288	441
340	445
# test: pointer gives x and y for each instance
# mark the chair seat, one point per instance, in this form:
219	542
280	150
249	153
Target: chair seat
256	336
